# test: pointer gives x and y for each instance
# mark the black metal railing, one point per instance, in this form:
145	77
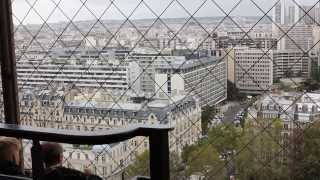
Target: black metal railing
158	140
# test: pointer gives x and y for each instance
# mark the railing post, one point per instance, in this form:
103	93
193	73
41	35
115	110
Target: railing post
8	64
159	156
37	160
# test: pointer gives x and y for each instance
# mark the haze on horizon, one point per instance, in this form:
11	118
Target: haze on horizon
21	8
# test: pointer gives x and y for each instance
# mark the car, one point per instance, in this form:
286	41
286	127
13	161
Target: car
236	122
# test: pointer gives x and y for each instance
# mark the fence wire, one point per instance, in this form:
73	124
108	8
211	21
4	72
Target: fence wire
239	81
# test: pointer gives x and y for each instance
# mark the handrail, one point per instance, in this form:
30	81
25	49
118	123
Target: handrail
9	177
97	137
158	140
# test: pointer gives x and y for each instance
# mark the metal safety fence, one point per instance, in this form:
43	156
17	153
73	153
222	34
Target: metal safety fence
238	81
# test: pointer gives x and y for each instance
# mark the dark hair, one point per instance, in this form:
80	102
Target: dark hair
52	153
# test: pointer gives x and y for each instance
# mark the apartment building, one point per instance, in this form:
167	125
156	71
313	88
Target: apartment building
51	110
294	109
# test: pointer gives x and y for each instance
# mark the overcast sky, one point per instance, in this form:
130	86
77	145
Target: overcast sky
70	7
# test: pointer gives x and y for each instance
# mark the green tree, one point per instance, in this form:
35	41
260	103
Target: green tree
309	85
308	164
316	74
284	87
140	167
261	151
224	137
288	73
208	113
205	160
233	93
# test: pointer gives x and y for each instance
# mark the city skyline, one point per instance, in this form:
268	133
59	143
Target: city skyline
203	8
222	82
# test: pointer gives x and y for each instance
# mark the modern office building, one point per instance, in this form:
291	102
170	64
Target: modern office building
204	78
83	70
289	64
298	38
287	12
144	61
253	70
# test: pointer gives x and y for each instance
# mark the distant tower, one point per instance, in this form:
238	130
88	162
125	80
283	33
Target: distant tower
285	12
292	15
279	16
277	13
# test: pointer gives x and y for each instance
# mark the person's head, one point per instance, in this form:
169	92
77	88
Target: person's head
52	153
10	150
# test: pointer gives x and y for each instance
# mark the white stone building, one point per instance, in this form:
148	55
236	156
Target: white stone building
294	109
46	110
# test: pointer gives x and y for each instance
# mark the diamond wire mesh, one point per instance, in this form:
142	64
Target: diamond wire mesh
88	99
284	148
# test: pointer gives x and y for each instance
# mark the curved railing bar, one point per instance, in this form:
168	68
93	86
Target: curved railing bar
158	140
81	137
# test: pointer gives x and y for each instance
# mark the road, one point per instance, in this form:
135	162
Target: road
232	111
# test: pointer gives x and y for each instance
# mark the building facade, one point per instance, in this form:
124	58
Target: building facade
299	38
289	64
205	78
83	69
50	109
294	109
253	70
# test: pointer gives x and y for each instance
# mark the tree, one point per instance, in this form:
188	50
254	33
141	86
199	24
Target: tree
284	87
261	151
288	73
308	165
233	93
205	160
309	85
208	113
224	137
316	74
140	167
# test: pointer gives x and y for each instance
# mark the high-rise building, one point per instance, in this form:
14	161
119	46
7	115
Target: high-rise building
280	12
287	13
298	38
307	14
291	15
204	78
289	64
254	70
